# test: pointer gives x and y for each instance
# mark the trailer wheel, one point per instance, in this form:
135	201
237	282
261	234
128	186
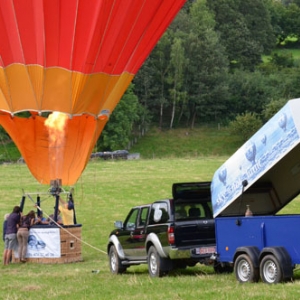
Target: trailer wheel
270	270
115	263
244	269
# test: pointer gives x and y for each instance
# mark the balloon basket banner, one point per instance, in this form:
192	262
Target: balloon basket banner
65	246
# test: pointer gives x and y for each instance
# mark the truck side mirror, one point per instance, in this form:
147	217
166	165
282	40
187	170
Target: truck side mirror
119	224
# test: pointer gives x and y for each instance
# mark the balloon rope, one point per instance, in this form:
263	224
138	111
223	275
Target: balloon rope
101	251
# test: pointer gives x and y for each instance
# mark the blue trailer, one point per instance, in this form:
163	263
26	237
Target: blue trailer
263	176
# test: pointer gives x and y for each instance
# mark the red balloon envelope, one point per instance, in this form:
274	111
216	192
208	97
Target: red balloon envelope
76	57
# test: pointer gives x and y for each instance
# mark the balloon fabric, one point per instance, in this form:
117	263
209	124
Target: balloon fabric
75	57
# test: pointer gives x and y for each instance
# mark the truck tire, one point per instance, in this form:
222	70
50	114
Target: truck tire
244	269
155	263
115	263
270	270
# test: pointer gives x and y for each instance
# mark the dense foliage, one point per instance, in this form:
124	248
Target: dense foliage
219	60
245	125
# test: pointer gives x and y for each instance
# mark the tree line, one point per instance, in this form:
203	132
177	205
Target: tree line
217	61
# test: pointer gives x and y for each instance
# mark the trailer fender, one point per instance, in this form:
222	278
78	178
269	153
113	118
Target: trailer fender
251	251
283	258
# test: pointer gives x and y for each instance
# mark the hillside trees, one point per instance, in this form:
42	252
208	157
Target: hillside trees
246	31
291	21
151	84
208	65
206	81
117	132
276	10
285	19
258	21
175	77
248	93
193	84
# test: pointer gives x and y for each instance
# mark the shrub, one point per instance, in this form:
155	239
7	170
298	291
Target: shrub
245	125
272	108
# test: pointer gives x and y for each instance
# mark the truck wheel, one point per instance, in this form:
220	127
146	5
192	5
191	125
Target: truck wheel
115	263
155	263
244	269
270	270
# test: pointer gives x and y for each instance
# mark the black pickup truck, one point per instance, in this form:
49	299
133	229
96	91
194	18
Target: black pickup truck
167	234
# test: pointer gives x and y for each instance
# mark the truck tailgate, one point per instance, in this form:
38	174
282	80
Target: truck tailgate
200	232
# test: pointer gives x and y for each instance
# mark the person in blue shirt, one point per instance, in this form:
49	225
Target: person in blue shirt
10	239
40	220
52	221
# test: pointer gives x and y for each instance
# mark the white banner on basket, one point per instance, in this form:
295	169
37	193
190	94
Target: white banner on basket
43	243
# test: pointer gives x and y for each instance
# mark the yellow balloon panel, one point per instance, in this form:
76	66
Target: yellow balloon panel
34	88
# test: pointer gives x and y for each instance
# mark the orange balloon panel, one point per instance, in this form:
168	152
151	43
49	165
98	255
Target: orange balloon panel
65	157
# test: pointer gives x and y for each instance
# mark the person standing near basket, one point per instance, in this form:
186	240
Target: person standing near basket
10	237
67	210
23	234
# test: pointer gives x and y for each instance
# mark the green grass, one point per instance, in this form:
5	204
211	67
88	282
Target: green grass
198	142
105	193
294	52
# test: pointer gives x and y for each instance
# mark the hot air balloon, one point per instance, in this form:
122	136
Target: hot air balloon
74	57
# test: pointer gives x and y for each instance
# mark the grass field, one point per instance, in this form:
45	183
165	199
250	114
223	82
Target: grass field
105	193
194	143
